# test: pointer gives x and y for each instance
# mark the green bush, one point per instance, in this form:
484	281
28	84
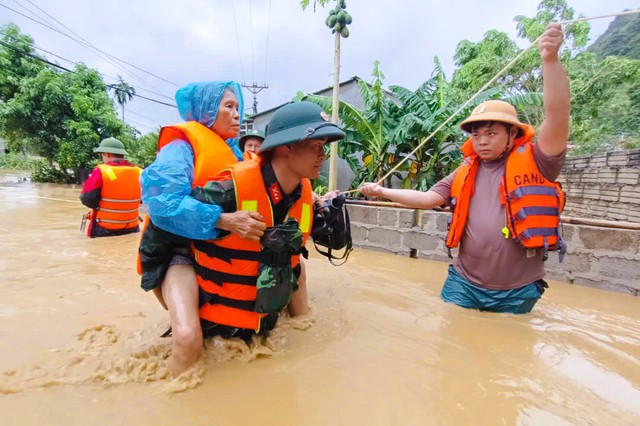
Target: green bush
44	172
17	162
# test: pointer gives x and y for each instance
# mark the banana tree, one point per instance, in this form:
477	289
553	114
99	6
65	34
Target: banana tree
368	130
422	112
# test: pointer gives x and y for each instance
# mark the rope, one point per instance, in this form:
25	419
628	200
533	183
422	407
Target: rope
483	88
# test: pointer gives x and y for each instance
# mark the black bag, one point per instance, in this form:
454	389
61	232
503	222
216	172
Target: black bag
276	280
332	229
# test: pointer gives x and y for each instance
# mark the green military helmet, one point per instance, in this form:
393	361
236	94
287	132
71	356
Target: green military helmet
111	146
297	121
253	133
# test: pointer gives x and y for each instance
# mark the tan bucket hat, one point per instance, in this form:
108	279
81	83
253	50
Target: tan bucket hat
494	110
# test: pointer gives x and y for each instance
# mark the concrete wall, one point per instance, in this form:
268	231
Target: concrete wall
603	186
603	258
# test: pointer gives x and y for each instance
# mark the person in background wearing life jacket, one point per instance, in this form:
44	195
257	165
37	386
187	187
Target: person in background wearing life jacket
112	191
505	203
245	281
250	142
189	155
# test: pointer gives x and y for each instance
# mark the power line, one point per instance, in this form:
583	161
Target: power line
22	52
88	44
235	23
103	74
253	74
266	56
108	54
84	42
130	111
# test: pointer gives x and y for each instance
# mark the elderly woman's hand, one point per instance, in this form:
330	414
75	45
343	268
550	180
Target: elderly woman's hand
244	223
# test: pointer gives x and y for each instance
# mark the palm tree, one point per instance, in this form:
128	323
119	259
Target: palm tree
124	92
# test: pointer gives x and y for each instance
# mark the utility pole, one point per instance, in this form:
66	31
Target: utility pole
335	117
337	20
255	89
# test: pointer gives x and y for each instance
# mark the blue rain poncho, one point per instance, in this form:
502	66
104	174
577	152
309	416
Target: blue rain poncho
166	183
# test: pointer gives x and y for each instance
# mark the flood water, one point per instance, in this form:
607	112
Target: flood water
80	343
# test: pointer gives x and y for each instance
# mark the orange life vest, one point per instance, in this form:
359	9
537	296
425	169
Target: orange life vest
250	156
227	268
211	154
533	204
120	197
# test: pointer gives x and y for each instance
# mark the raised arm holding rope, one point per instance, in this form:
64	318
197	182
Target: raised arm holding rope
505	203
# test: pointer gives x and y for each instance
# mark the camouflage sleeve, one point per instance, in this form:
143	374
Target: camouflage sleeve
217	192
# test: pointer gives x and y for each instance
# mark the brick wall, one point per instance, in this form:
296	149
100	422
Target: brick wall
597	257
603	186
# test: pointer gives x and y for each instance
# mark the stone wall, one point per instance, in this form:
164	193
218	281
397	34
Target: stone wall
603	186
597	257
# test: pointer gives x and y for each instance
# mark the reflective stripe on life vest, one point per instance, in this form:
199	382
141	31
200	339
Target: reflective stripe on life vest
227	268
120	197
532	203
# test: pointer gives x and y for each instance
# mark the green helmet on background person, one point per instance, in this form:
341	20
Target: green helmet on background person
253	133
111	146
298	121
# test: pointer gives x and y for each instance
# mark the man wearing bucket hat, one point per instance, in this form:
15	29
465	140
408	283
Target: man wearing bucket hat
246	281
112	191
505	203
250	142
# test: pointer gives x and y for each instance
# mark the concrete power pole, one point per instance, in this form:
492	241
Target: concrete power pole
333	159
255	89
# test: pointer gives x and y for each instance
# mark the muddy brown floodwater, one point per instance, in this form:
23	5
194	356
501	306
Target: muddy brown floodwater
80	343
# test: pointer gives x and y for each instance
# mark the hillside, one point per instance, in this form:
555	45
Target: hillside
622	38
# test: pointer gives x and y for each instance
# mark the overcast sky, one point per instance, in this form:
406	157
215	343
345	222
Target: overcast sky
266	41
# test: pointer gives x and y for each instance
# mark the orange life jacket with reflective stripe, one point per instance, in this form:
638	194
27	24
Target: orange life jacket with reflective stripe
120	197
533	204
211	154
227	268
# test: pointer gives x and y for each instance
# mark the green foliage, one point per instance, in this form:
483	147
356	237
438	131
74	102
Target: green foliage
61	116
142	152
576	34
305	3
368	130
423	112
45	172
622	38
606	98
479	62
123	91
15	66
605	95
17	161
320	189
